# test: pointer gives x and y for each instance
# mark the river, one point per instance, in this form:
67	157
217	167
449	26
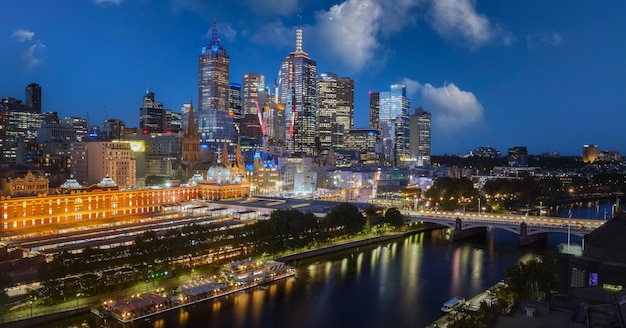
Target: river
395	284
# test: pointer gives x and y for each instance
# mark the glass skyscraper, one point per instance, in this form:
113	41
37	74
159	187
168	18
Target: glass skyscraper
296	87
420	137
215	122
394	124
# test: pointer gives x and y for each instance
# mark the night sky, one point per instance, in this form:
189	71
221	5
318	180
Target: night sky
548	75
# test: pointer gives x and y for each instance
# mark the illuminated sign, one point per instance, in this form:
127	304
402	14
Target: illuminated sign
138	146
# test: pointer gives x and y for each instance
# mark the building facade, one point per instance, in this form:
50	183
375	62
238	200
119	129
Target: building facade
297	91
420	137
394	124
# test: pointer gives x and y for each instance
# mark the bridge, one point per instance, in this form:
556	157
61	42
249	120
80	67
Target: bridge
530	228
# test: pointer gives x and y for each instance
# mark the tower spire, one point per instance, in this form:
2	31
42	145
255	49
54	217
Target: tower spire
299	40
215	40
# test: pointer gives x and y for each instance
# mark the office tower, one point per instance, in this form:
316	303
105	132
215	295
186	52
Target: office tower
345	104
252	83
518	156
33	97
215	125
420	137
374	110
152	118
590	153
80	124
394	124
326	113
296	87
93	161
234	107
113	128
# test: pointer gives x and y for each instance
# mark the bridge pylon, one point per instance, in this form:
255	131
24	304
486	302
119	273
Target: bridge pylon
460	233
525	239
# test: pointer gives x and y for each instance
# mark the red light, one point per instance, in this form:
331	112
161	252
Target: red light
144	131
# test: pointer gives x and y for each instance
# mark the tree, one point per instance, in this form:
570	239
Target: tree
394	218
373	215
344	217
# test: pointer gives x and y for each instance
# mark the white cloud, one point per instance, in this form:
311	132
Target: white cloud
275	33
113	2
552	38
23	35
271	7
350	30
458	20
451	107
29	56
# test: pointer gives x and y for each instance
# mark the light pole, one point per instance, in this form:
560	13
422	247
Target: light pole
478	205
31	308
568	235
540	208
527	209
77	294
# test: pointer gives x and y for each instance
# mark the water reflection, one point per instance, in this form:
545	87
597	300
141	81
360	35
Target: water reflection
396	284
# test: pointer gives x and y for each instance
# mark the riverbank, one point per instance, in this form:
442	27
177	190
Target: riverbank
32	316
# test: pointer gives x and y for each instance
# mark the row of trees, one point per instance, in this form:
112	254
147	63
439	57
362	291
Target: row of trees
99	270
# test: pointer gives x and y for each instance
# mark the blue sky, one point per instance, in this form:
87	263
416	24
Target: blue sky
548	75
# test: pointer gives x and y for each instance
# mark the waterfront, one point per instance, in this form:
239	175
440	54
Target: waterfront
401	283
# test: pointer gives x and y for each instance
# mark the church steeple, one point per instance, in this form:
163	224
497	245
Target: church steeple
225	155
191	140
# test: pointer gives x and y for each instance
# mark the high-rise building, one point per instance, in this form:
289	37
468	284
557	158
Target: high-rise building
252	83
374	110
152	116
394	124
93	161
296	87
590	153
215	125
33	97
326	113
113	128
420	137
345	104
518	156
234	107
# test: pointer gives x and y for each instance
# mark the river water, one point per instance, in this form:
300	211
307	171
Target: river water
395	284
401	283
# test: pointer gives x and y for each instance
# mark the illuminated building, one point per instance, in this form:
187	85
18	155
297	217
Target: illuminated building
252	83
518	156
161	152
152	115
234	106
113	128
94	160
265	177
28	185
326	112
345	107
215	124
296	89
590	153
394	124
364	142
374	110
84	204
420	137
80	124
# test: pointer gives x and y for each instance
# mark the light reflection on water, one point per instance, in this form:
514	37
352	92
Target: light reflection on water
401	283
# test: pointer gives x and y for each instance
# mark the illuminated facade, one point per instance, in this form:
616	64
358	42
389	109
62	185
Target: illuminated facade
94	160
28	185
296	89
326	112
420	137
48	212
590	153
215	124
394	124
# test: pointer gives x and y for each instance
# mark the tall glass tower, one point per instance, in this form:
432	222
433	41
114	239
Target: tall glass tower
296	89
420	137
394	124
215	122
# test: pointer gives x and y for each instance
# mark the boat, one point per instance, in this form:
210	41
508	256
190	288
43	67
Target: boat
452	303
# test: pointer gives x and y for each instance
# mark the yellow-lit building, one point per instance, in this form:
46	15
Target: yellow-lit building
590	153
28	185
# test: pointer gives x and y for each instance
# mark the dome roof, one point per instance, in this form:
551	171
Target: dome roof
107	182
71	184
218	171
195	179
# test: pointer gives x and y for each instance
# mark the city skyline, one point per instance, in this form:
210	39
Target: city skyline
497	74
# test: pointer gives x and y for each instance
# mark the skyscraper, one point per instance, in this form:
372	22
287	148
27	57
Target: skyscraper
215	125
420	137
374	110
297	91
234	106
252	83
590	153
33	97
345	104
326	112
152	117
394	124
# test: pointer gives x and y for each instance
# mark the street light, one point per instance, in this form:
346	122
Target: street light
478	205
540	208
31	308
527	209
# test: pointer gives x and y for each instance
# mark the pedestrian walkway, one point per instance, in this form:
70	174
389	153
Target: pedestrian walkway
473	304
